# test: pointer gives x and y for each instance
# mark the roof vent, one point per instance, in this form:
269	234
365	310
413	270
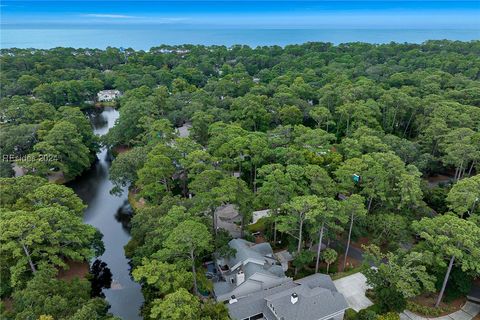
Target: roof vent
240	277
294	298
232	300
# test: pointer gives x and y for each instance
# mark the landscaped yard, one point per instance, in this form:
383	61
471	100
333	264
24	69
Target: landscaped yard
425	305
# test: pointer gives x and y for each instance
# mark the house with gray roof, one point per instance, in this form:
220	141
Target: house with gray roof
311	298
254	267
253	285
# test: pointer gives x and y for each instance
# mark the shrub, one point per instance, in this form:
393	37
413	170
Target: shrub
390	300
303	259
367	314
258	226
333	268
389	316
249	237
350	314
427	311
375	308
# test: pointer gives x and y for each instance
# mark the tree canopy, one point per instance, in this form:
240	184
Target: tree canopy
337	142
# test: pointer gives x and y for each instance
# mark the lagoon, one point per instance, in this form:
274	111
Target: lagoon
111	215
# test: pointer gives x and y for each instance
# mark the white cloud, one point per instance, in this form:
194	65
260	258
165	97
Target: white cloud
121	18
108	16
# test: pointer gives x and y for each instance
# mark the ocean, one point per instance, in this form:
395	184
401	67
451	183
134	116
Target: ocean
145	38
144	24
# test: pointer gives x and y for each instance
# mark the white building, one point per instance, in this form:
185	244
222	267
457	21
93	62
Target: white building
108	95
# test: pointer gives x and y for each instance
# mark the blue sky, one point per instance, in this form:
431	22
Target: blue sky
244	14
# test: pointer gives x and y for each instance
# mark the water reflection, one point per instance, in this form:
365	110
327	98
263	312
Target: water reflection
111	215
124	215
101	278
99	120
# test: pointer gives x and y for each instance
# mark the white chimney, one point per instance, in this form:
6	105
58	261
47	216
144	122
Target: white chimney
232	300
240	277
294	298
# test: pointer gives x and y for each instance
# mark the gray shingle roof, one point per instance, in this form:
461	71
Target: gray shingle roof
318	280
248	250
255	303
223	287
260	267
260	253
317	298
314	300
263	248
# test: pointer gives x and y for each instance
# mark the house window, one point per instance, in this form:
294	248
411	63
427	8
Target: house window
273	309
232	280
257	316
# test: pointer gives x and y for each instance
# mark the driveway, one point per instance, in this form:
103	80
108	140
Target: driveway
353	288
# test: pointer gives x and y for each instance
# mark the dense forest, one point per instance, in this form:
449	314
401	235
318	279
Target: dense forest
340	143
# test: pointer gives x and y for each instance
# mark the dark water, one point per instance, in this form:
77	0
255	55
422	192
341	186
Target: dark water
110	214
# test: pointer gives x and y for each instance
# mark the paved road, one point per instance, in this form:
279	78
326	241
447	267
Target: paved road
353	252
474	294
